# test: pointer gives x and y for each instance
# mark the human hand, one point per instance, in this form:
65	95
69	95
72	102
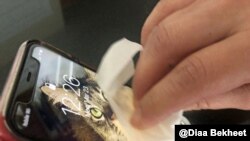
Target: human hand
196	56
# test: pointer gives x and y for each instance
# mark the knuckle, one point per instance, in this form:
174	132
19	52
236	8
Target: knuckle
193	71
169	33
164	36
203	104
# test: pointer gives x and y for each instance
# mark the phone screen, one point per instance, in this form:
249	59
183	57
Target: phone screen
71	105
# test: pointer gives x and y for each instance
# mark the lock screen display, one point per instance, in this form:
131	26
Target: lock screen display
75	108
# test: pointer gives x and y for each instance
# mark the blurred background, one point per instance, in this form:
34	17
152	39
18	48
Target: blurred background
85	29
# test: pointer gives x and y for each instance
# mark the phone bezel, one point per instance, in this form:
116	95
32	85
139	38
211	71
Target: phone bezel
16	72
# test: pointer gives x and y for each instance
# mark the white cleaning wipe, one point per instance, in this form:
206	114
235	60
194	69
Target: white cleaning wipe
115	70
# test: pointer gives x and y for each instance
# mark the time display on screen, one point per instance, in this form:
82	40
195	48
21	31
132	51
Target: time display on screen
70	95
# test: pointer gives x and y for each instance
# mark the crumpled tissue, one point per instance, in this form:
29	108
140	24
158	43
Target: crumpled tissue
115	69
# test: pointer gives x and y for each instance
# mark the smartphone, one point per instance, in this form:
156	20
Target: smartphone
51	96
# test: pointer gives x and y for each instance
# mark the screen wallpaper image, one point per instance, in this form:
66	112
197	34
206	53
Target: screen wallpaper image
75	98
